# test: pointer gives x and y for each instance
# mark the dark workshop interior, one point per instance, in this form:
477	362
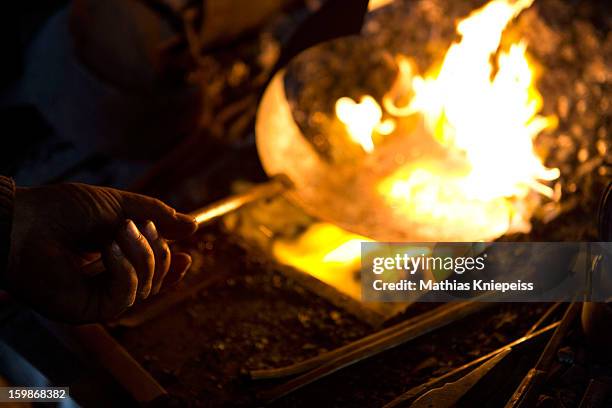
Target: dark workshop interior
292	132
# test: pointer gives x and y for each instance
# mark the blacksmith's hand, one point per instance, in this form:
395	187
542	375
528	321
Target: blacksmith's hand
81	253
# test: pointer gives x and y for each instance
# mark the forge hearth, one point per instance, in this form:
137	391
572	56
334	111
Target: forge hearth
257	318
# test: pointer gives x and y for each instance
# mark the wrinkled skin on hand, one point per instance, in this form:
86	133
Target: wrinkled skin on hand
82	253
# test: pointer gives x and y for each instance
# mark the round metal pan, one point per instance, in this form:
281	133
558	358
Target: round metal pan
343	193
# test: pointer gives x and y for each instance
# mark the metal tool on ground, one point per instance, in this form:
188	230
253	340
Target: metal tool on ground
380	343
450	393
415	392
525	394
406	330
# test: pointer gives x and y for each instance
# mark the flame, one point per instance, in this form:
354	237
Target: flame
484	115
326	252
360	119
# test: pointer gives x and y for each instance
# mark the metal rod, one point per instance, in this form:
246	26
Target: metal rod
394	339
314	362
527	389
276	186
543	318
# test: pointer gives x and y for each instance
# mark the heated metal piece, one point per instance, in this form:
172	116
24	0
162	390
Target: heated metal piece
276	186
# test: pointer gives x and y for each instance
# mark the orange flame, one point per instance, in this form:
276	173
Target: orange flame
487	119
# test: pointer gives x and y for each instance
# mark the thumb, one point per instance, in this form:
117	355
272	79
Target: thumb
172	225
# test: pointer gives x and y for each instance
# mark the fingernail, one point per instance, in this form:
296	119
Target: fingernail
146	291
132	230
116	250
132	301
144	294
150	231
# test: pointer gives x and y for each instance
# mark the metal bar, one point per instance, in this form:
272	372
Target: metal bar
311	363
449	394
272	188
543	318
525	393
369	350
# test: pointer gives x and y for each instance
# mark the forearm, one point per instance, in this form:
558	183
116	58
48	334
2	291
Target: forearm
7	195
